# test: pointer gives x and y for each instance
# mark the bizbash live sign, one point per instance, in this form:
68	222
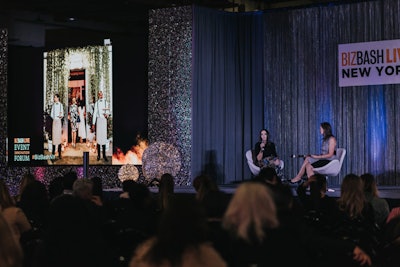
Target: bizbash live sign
369	63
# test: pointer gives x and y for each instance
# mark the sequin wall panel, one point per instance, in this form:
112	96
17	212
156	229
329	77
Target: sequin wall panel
170	71
3	95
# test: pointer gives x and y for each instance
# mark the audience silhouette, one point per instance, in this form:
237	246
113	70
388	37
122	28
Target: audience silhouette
73	236
379	205
181	239
71	223
11	254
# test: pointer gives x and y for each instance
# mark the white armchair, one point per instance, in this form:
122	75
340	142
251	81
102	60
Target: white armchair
333	168
255	170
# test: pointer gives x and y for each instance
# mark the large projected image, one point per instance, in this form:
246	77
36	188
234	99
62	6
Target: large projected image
70	117
78	105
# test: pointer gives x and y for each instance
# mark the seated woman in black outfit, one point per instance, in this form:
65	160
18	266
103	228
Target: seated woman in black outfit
265	153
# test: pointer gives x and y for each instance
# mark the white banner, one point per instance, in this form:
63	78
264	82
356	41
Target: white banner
369	63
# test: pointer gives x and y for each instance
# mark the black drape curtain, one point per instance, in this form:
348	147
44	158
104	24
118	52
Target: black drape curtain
278	70
227	91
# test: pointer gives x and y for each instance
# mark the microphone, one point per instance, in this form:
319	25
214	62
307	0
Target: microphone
298	156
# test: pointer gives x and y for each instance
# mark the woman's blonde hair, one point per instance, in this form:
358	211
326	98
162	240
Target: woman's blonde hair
252	208
6	200
11	254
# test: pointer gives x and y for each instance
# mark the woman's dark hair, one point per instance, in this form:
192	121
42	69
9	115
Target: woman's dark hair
327	130
165	190
370	184
97	186
266	132
127	185
182	224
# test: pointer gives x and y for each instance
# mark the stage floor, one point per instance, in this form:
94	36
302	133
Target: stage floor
384	191
391	193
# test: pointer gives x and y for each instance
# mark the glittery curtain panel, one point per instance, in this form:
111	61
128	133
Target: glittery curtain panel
3	96
301	87
169	95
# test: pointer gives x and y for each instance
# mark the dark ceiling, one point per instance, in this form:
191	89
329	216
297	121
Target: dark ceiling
126	15
55	23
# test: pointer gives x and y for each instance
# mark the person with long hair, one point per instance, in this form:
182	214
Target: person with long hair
354	217
328	153
181	239
260	222
165	191
11	253
253	233
14	215
265	151
379	205
26	179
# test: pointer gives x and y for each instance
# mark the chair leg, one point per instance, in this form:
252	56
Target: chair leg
327	188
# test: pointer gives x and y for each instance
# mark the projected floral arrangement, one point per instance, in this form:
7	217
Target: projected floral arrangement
160	158
128	172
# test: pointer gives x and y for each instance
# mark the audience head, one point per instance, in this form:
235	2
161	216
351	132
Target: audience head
83	188
140	195
183	224
204	184
284	199
183	221
318	184
35	202
268	175
35	191
26	179
97	189
68	181
6	199
252	208
11	253
165	190
56	187
127	185
352	198
215	204
167	183
370	184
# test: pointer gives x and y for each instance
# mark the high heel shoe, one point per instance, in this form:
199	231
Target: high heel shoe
295	180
